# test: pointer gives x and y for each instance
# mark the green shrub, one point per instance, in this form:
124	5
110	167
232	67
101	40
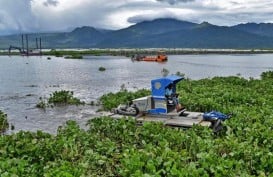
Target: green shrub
4	125
64	97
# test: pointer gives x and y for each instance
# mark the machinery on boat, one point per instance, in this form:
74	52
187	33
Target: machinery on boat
26	51
158	107
158	58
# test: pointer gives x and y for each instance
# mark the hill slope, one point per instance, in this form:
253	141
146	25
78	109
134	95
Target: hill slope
156	33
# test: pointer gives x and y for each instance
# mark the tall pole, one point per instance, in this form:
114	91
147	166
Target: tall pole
23	43
40	46
37	43
27	43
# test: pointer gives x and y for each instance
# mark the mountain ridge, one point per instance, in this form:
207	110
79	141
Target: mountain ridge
157	33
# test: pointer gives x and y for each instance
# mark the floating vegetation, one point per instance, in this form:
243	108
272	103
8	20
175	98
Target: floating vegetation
55	53
4	125
42	104
123	87
112	100
102	68
62	97
267	75
75	56
92	103
54	86
31	85
110	147
30	94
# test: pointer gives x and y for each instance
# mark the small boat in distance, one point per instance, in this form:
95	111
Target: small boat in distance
158	58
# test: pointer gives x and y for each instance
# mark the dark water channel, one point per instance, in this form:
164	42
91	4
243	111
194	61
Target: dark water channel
24	79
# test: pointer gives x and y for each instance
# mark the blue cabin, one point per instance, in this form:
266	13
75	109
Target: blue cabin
157	102
158	86
158	89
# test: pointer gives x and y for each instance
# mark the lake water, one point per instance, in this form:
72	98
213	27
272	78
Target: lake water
25	79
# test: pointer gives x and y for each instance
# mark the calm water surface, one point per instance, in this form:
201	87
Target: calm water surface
25	79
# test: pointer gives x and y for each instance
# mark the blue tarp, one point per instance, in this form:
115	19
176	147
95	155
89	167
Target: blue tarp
159	85
215	115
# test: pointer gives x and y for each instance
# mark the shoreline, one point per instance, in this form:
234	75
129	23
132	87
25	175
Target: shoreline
148	51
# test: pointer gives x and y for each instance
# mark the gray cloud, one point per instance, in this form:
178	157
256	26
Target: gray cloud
51	3
99	14
35	16
172	2
150	17
1	18
16	16
234	3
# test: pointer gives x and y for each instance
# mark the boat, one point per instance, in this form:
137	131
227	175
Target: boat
26	51
157	58
157	107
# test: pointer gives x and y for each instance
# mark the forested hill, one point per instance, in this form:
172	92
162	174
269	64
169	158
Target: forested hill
169	33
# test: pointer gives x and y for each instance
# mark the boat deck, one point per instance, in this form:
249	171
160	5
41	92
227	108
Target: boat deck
182	119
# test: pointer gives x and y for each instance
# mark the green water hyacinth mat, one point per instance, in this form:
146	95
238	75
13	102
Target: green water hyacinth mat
111	147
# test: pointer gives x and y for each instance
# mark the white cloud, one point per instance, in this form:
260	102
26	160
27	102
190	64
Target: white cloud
48	15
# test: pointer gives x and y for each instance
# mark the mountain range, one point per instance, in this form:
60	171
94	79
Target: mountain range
159	33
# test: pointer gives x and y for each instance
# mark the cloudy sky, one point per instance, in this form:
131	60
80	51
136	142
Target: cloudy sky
58	15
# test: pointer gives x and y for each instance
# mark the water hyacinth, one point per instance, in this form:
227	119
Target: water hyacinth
4	125
110	147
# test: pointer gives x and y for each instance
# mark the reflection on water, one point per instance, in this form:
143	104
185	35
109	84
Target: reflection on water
25	79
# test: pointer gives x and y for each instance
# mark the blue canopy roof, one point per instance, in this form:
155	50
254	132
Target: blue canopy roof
159	85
